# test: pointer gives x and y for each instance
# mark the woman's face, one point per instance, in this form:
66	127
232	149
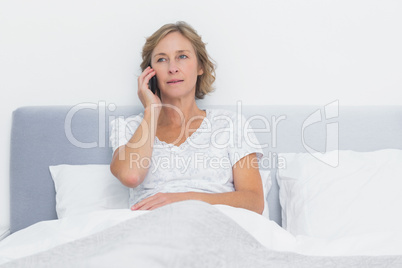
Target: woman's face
175	63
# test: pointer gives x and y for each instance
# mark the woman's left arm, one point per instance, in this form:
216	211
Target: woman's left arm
248	192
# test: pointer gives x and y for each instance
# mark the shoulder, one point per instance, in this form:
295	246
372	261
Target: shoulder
219	114
226	118
131	121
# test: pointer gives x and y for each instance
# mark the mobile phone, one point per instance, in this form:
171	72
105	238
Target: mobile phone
153	83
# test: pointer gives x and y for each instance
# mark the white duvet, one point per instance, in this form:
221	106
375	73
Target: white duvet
48	234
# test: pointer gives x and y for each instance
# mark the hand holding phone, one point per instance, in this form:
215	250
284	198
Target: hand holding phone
146	96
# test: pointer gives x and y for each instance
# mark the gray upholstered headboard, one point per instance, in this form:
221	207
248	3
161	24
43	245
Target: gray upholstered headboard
41	136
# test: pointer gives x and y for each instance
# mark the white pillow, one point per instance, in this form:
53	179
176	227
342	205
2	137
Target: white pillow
363	194
266	184
86	188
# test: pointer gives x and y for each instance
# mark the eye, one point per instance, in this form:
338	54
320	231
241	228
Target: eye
183	57
160	60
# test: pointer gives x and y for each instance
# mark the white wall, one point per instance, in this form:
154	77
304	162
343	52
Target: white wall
268	52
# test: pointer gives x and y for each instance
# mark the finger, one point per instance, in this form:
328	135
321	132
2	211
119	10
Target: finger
148	78
160	201
142	75
157	206
143	87
145	72
146	203
150	205
140	204
146	75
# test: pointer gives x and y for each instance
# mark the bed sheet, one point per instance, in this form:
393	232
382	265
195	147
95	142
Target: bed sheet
48	234
55	236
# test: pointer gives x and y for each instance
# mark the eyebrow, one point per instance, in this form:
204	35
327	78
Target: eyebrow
177	52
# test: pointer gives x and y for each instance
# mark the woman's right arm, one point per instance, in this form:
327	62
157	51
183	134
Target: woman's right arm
130	162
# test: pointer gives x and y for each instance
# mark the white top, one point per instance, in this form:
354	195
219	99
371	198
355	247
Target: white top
203	163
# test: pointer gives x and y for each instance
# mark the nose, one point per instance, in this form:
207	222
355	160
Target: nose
173	68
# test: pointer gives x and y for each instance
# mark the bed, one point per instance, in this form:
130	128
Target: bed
331	177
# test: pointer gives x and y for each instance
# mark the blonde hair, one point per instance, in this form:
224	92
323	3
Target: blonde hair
204	81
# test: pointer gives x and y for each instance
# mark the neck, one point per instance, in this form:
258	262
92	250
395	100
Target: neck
178	112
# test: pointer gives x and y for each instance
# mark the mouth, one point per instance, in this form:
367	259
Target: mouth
174	81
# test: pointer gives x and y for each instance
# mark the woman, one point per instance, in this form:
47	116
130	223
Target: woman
175	151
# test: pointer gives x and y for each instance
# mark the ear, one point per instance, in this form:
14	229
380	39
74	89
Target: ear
200	71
